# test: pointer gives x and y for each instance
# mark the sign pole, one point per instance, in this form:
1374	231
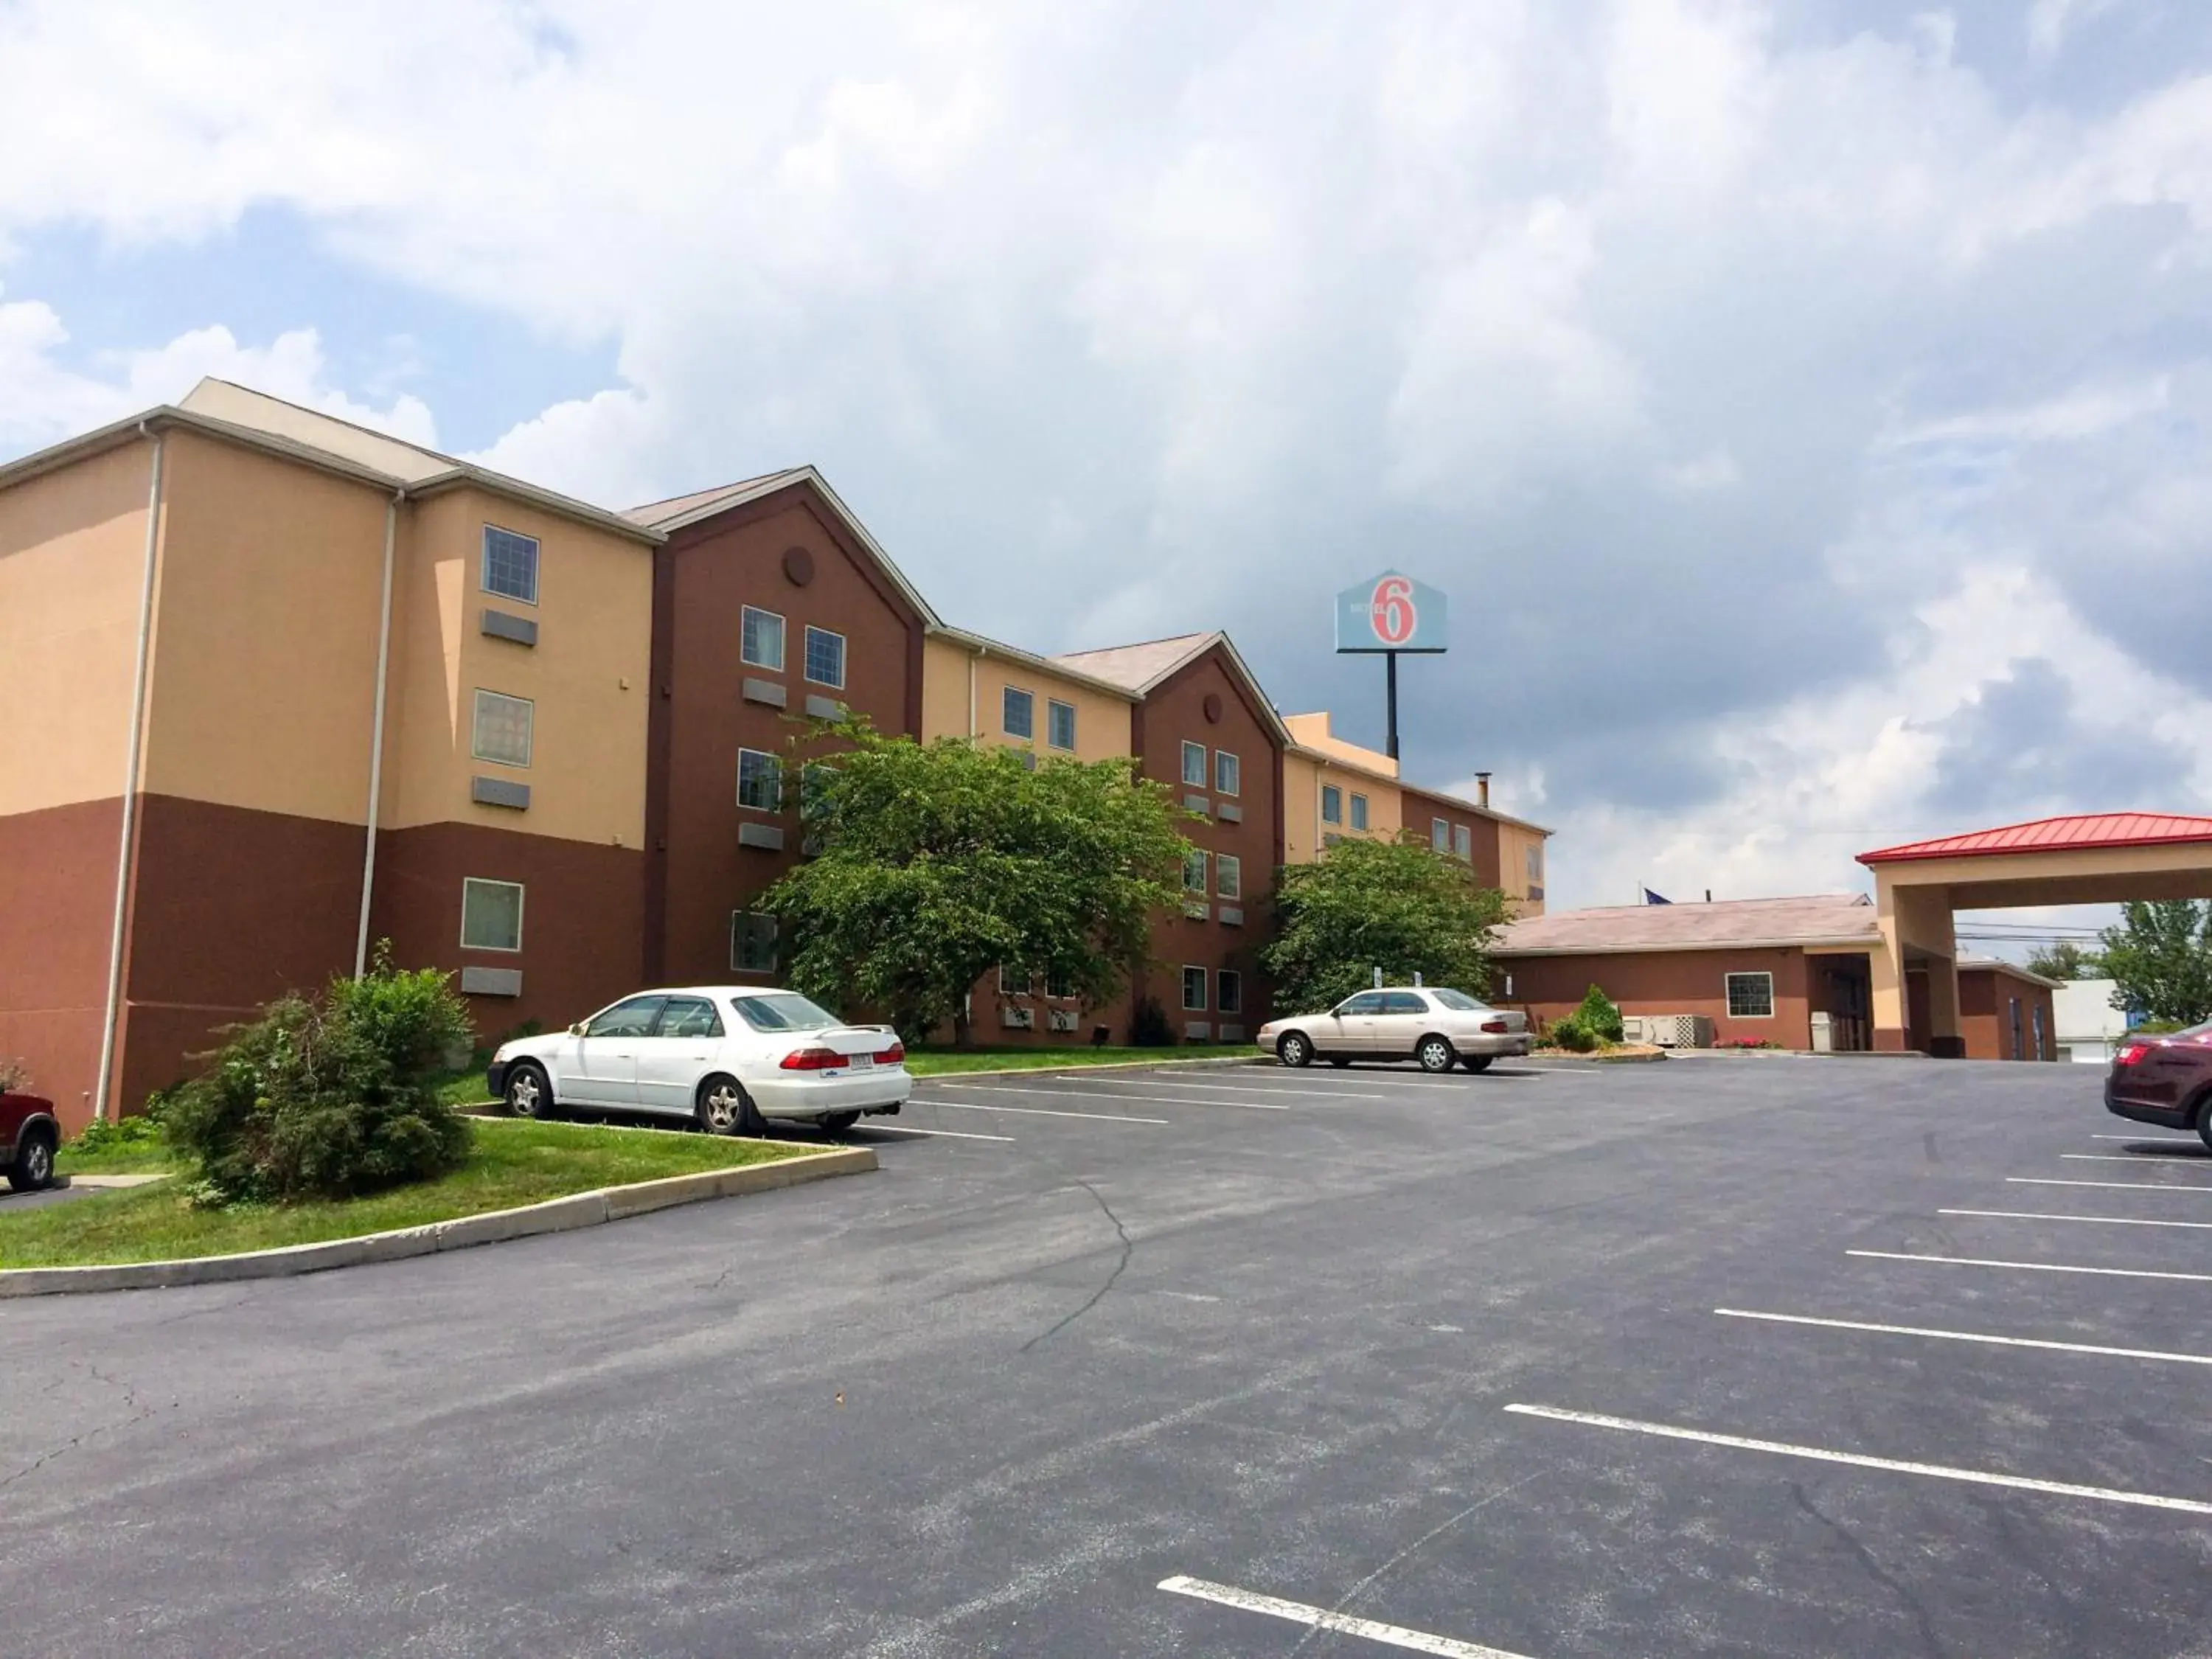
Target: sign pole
1390	685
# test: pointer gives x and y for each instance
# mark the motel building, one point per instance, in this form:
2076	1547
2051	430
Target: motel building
279	687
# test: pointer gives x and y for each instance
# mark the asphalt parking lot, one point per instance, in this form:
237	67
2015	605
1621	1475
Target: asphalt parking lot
1713	1357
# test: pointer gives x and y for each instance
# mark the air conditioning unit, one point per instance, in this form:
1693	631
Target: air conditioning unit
1018	1019
1635	1028
1678	1030
1059	1019
1197	1031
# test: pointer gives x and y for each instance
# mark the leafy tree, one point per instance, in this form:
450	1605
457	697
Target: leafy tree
2064	959
935	864
1368	904
2160	955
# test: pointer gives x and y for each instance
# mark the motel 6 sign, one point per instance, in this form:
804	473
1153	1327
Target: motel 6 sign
1390	613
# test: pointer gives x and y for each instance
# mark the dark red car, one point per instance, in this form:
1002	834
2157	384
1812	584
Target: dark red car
2164	1079
28	1135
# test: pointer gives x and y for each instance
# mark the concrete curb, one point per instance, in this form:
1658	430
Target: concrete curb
555	1215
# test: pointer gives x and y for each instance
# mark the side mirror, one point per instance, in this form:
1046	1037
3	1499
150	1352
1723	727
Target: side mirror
577	1030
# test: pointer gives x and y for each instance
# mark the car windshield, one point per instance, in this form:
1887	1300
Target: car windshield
1459	1000
781	1010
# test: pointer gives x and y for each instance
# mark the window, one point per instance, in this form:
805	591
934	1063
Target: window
1060	725
689	1017
1331	804
1229	875
1460	1002
814	781
1367	1002
1193	765
1403	1002
753	942
491	915
781	1010
760	639
1194	990
1359	812
1440	834
1019	715
825	657
632	1016
1193	871
1462	844
510	564
1226	769
1009	986
1059	986
503	729
1534	861
760	780
1232	987
1750	996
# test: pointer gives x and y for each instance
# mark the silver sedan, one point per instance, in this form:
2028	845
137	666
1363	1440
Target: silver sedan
1429	1024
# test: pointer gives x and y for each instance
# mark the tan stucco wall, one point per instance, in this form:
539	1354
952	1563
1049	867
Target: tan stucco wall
1314	732
1513	845
1101	720
943	689
1303	832
264	663
594	613
72	552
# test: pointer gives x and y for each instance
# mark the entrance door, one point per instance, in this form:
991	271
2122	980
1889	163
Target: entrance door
607	1053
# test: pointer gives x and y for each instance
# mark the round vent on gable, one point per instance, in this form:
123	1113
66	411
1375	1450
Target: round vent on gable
1213	707
798	566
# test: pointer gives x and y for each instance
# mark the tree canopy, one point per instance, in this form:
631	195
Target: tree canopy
2161	957
2064	959
934	864
1368	904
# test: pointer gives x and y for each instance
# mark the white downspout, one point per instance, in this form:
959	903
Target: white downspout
129	783
974	657
376	736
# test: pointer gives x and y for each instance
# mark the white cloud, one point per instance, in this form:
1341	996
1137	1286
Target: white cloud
2049	22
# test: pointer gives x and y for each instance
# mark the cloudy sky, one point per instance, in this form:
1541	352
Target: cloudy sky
1803	403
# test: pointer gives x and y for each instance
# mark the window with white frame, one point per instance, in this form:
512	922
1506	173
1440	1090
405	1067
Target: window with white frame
1440	834
1750	996
1331	804
1060	987
491	915
1193	871
1060	725
1534	860
1229	990
825	657
760	639
760	780
1194	990
1226	772
753	942
1017	713
500	732
1229	875
1462	844
510	564
1012	984
1358	811
1193	765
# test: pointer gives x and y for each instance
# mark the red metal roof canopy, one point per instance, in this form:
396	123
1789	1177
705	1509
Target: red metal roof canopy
2076	834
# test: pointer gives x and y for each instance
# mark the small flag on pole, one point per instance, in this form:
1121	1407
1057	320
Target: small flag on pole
1650	898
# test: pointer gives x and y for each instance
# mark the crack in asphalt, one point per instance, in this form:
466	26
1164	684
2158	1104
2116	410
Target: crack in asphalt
1928	1640
138	1414
1128	1249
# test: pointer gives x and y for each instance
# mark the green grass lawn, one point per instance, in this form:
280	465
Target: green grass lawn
512	1164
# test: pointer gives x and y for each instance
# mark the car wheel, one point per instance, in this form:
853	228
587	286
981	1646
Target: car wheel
1295	1050
530	1093
724	1109
34	1167
1475	1062
1435	1054
838	1122
2204	1121
1340	1059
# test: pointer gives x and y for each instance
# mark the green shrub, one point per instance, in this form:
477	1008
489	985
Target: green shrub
329	1098
141	1129
1599	1015
1571	1035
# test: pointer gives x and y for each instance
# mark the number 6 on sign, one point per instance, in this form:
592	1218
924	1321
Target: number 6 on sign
1390	612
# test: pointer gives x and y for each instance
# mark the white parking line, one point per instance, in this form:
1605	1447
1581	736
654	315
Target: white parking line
1968	1336
2109	1220
950	1134
2032	1266
1299	1613
1226	1088
1395	1079
1822	1454
2149	1140
1039	1111
1149	1100
2133	1186
2135	1159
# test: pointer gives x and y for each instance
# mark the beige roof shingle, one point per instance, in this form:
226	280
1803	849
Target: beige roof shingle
1822	919
1139	667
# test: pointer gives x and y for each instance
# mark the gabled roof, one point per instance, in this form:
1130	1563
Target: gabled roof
1997	965
2080	833
984	646
1833	919
678	512
1143	668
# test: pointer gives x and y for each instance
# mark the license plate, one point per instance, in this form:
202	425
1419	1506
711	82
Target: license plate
859	1062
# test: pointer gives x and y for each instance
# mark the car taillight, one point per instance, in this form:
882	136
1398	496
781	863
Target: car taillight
894	1055
1496	1026
2130	1053
811	1059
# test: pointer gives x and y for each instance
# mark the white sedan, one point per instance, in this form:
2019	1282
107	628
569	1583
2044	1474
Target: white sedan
1431	1024
726	1057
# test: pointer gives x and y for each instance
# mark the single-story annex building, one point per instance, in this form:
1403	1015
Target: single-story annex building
1793	972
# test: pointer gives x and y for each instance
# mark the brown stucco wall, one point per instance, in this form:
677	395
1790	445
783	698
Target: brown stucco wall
697	872
1668	982
1985	1015
57	906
